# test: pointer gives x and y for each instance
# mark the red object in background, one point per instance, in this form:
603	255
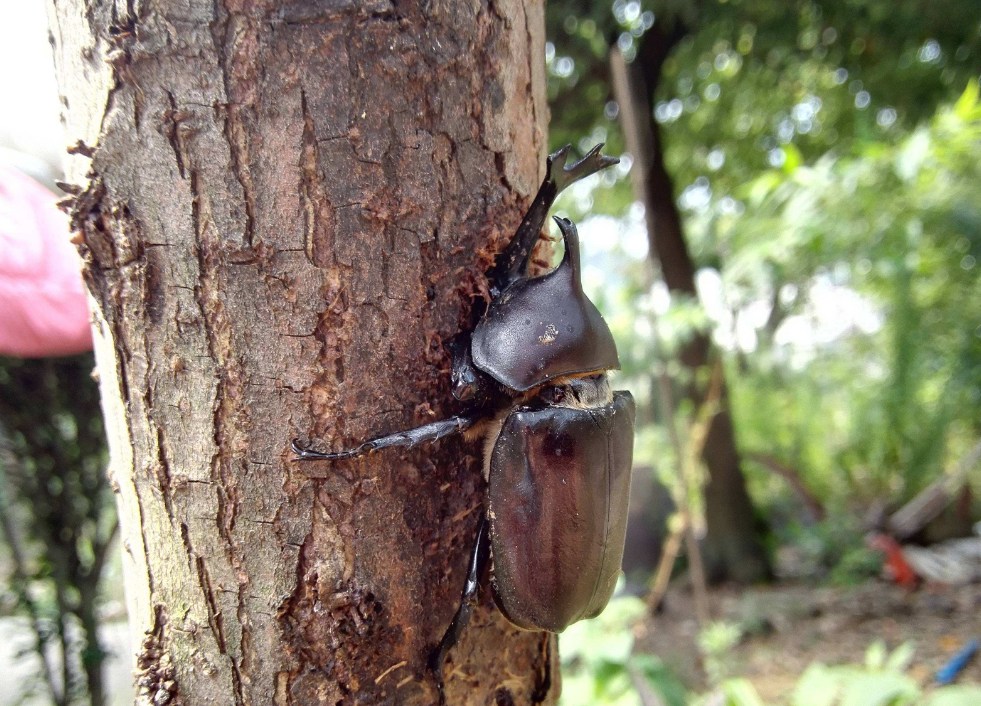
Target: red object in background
896	564
43	311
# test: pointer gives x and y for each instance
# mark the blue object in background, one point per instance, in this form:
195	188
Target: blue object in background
948	673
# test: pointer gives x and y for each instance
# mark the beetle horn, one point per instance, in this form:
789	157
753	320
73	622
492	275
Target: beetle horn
570	237
563	176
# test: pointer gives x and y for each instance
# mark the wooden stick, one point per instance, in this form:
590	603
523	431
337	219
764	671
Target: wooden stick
931	501
668	556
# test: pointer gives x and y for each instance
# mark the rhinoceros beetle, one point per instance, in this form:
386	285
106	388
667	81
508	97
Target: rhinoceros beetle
557	441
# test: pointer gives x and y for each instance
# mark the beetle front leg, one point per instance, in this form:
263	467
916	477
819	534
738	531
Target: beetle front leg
469	384
427	432
468	600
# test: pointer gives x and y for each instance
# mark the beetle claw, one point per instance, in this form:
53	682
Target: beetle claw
436	667
302	454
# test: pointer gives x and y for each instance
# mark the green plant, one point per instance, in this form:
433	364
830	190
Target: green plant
857	565
57	517
880	681
716	643
600	667
833	549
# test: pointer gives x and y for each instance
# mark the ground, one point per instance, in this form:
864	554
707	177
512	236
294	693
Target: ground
787	627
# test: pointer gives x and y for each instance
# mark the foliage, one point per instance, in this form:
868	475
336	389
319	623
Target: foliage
904	243
749	77
829	189
833	550
599	666
826	158
58	513
881	681
715	642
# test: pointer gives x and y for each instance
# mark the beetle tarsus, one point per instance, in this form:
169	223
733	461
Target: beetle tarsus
468	600
407	439
302	454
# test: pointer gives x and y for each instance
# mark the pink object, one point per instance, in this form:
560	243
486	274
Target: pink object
43	311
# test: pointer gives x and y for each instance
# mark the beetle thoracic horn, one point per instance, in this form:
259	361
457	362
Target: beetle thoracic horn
570	236
513	262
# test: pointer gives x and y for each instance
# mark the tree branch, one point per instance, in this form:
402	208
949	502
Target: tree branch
769	462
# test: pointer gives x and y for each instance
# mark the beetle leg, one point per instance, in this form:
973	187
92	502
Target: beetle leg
469	384
478	562
408	438
512	264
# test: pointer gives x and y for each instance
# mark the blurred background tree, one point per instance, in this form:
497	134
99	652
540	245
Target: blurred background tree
744	105
58	517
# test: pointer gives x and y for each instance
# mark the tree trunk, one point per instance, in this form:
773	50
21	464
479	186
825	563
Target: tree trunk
732	549
287	211
93	657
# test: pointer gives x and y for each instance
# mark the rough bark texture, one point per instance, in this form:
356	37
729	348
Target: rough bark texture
286	213
731	547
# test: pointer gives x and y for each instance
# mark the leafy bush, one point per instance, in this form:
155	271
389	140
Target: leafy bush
857	565
57	516
878	409
715	643
600	668
880	681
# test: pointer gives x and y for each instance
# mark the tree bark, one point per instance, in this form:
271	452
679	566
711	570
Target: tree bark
732	549
287	211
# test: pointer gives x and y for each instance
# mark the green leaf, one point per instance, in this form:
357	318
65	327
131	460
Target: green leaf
901	657
606	638
883	689
661	678
875	655
794	157
960	695
612	682
761	187
817	687
606	672
966	105
911	157
741	692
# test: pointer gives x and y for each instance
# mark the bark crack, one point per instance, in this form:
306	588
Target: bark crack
236	42
226	408
172	121
319	219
